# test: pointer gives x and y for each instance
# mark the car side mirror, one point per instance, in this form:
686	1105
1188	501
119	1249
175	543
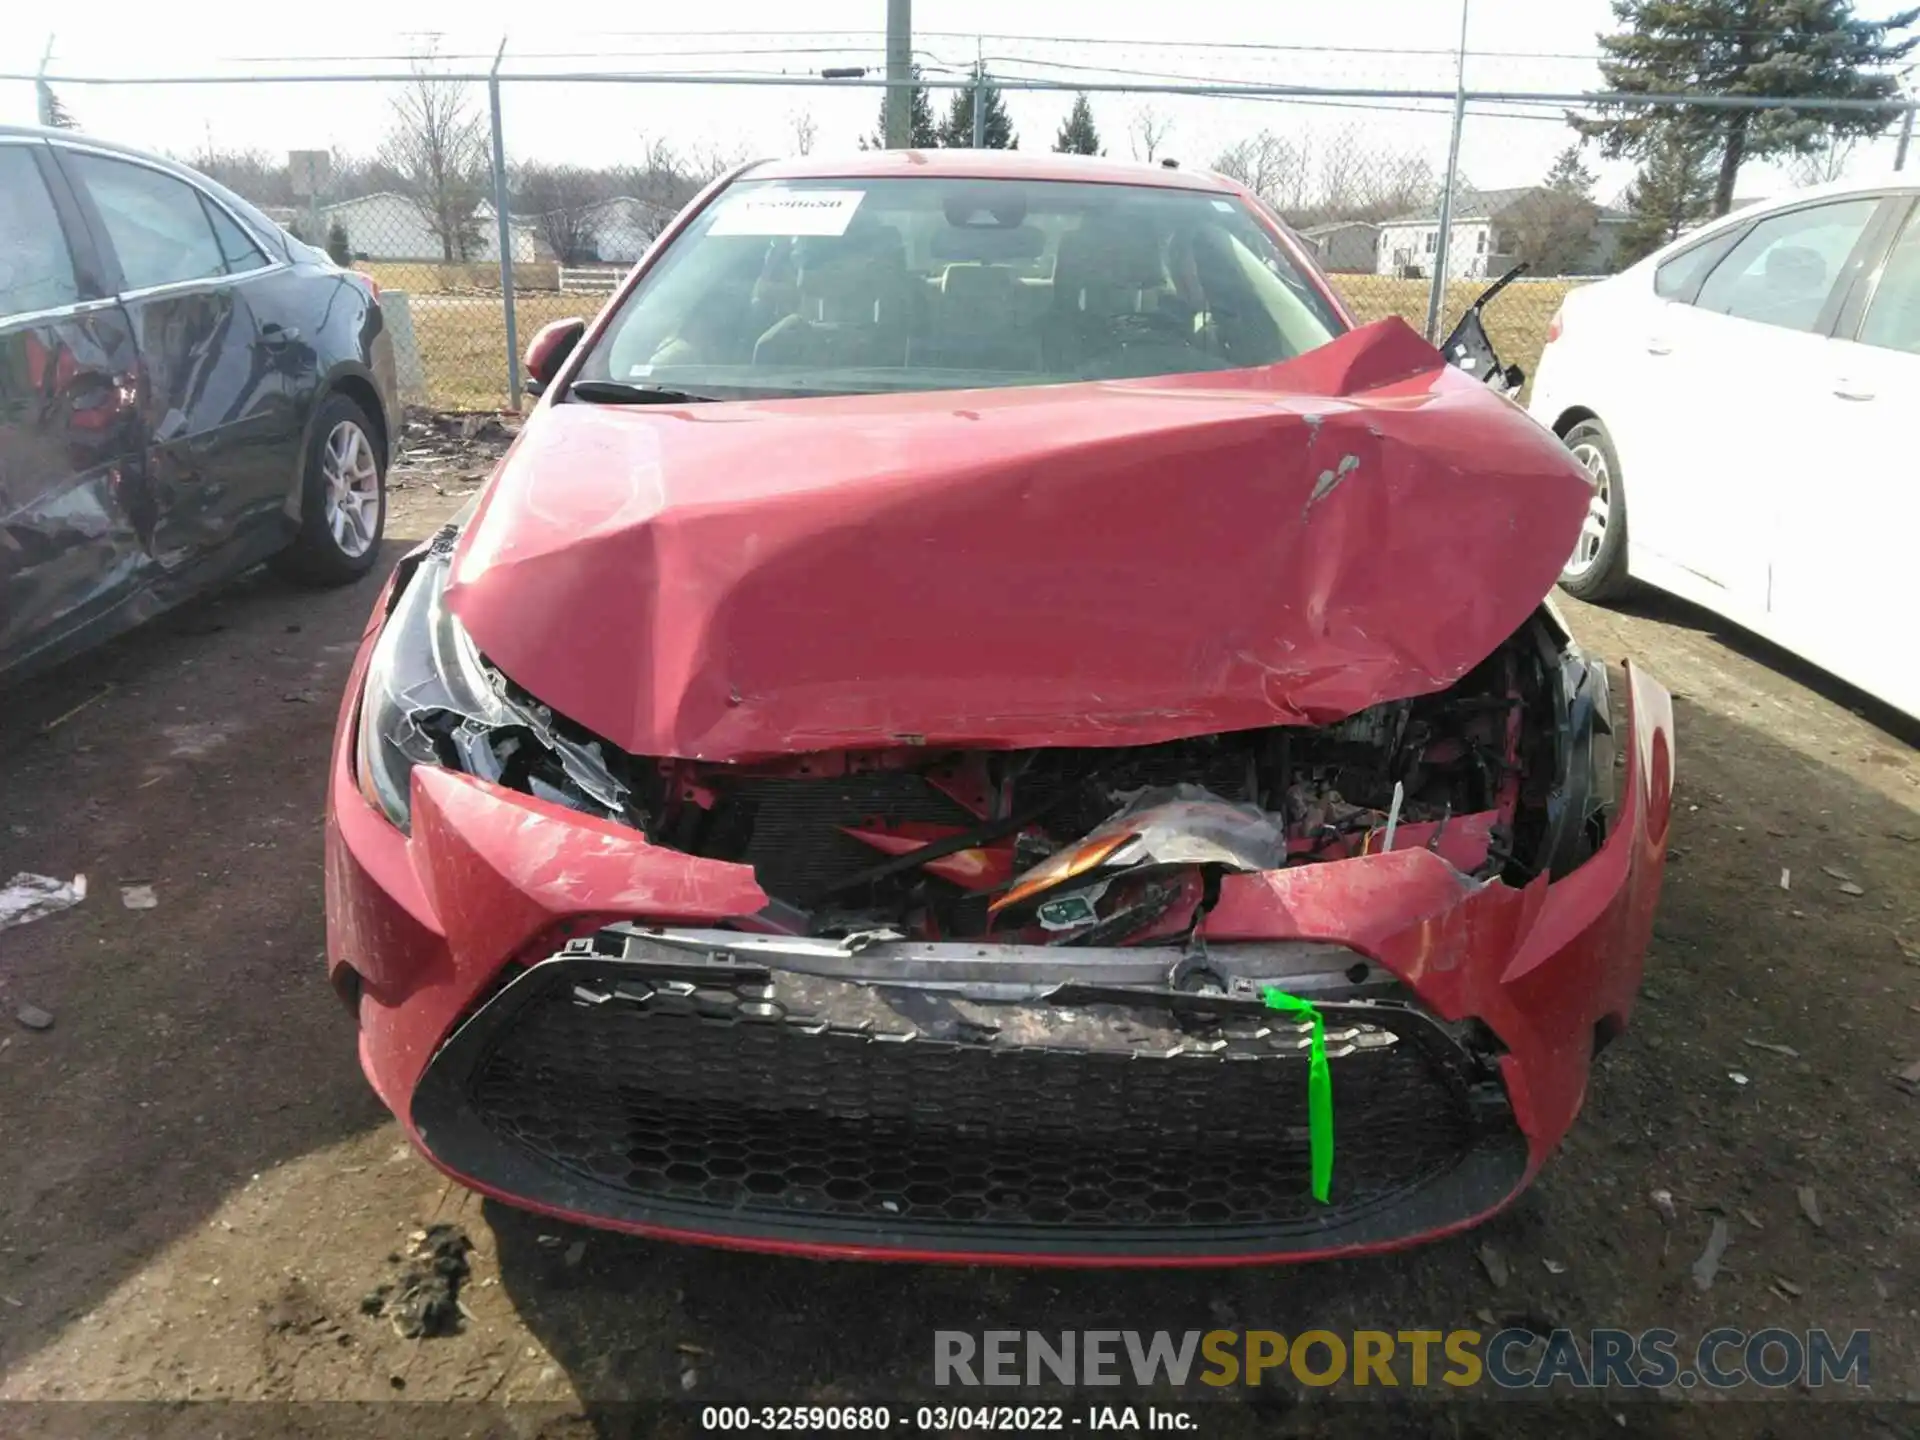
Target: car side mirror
549	349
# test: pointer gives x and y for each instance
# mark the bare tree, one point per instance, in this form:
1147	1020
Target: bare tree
1270	166
563	203
710	162
357	175
253	174
1342	178
437	150
659	180
1148	133
804	131
1552	230
1402	183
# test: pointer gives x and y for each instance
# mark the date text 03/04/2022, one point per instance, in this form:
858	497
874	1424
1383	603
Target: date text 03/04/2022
943	1419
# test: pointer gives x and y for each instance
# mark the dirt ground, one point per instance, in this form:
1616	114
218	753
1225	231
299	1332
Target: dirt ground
197	1188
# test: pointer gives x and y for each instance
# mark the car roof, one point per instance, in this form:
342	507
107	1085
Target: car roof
1882	182
258	220
1872	184
984	165
94	142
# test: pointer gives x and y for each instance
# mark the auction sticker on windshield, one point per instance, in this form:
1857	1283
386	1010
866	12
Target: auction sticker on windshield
787	212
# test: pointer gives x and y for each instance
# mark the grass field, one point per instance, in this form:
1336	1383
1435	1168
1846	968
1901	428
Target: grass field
1516	320
463	343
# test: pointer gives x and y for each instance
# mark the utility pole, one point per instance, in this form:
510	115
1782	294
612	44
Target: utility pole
503	226
979	98
899	74
1436	298
1906	136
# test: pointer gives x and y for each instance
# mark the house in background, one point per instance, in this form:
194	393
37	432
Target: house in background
1488	232
624	226
391	226
1345	246
523	237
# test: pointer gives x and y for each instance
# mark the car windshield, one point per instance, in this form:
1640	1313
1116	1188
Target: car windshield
860	285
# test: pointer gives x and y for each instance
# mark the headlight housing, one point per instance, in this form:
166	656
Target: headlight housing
431	699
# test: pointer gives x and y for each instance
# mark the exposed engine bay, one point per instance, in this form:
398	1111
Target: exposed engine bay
1506	774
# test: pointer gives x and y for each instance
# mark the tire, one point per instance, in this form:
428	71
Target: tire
343	499
1597	569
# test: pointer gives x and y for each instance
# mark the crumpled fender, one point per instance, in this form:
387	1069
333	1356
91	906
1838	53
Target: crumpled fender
1543	964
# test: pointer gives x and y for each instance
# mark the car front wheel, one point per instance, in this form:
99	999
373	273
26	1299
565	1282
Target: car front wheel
1597	569
343	509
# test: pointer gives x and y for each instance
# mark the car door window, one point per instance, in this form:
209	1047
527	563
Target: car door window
1679	277
1787	266
157	224
240	253
1893	317
36	269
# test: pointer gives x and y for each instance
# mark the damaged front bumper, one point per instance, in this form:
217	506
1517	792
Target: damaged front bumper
974	1101
930	1098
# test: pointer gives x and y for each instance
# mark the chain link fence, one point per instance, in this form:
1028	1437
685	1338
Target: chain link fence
480	229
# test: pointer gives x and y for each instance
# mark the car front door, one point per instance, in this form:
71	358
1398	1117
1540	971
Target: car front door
221	432
1740	365
1843	574
76	511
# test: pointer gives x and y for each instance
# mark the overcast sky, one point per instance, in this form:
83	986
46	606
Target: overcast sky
1385	43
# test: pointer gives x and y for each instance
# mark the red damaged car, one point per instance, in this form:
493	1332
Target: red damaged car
982	719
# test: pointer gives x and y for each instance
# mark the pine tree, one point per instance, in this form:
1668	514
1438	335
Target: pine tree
956	132
56	110
1551	227
1673	191
1569	176
1077	135
1797	49
922	133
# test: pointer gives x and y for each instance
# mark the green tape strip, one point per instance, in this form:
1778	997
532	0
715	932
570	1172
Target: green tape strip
1319	1087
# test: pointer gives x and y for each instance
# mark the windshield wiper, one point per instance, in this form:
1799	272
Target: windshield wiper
620	392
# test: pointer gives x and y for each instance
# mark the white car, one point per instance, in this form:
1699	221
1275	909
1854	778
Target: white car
1747	401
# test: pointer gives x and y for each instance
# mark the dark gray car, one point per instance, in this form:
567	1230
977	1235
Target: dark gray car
185	391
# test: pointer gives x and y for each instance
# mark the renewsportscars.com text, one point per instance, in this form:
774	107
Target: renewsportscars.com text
1724	1358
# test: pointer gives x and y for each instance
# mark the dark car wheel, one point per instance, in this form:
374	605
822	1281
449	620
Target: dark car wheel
1597	569
343	503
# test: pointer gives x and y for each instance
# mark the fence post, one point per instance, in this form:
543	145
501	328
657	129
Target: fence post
1906	137
1437	296
505	228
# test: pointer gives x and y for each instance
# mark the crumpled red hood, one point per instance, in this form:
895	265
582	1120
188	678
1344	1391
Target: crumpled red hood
1107	563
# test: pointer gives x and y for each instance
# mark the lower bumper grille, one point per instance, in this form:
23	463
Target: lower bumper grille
775	1103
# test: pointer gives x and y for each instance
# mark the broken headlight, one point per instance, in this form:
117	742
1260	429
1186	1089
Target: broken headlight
425	684
432	699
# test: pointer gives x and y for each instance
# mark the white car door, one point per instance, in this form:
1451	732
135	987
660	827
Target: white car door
1846	529
1742	362
1640	380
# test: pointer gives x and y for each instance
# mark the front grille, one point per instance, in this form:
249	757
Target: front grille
778	1101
